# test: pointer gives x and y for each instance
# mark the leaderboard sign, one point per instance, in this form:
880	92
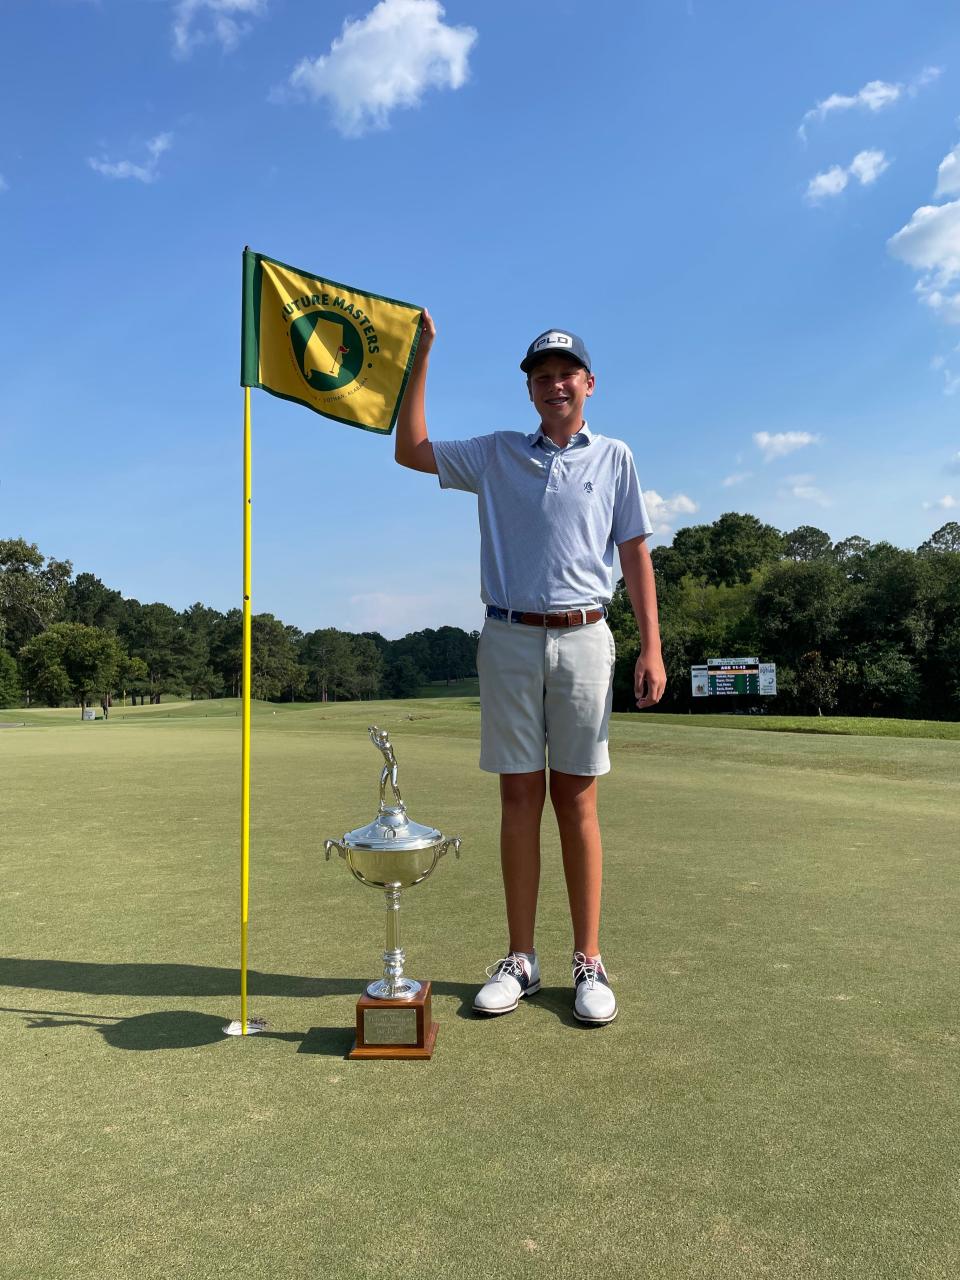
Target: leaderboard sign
720	676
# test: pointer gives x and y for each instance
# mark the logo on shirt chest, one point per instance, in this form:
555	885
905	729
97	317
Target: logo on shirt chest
588	486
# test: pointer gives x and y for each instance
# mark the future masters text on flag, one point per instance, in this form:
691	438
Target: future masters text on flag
339	351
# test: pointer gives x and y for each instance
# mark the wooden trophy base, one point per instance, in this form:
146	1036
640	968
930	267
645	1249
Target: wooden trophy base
395	1028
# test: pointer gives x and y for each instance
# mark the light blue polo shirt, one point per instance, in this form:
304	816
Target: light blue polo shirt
549	517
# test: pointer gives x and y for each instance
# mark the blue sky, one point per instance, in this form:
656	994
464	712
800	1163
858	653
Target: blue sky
750	212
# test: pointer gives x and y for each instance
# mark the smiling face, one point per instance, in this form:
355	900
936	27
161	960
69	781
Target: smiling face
559	387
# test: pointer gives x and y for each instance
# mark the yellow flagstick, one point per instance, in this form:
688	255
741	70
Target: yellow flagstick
245	1026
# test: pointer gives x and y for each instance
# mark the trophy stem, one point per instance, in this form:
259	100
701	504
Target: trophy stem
393	985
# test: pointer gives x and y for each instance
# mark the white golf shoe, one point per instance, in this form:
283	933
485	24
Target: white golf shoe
594	1001
511	979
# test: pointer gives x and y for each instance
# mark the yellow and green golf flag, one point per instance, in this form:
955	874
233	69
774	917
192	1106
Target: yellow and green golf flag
339	351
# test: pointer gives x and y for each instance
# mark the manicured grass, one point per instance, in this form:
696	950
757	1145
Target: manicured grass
863	726
778	1097
467	688
859	726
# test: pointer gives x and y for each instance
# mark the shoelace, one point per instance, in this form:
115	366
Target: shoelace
512	966
586	969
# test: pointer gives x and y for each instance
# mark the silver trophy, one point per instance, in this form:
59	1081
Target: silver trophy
392	853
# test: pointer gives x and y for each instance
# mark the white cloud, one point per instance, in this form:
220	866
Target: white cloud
781	443
829	183
866	167
385	61
664	511
948	174
953	466
951	383
874	96
929	75
197	22
802	487
127	169
4	184
930	243
947	305
946	503
737	478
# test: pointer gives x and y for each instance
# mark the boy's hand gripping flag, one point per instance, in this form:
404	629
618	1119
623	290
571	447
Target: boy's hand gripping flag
339	351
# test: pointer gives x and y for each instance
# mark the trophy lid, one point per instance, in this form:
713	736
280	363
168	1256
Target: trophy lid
393	831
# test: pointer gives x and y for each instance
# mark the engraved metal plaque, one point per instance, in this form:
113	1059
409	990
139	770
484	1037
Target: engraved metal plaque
390	1026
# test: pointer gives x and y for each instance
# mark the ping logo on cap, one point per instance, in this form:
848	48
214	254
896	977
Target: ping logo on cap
553	339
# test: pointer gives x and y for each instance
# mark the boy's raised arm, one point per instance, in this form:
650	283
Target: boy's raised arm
413	448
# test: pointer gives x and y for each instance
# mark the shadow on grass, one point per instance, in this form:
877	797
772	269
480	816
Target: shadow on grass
168	1029
185	980
160	979
181	1029
559	1002
335	1042
184	1029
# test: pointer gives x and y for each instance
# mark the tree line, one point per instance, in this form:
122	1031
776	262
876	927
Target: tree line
854	627
68	639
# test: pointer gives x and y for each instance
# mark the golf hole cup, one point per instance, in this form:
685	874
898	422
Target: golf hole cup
394	1017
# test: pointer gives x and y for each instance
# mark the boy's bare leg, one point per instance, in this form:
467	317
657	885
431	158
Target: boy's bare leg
522	797
574	800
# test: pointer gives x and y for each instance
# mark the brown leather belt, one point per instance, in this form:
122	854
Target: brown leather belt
571	618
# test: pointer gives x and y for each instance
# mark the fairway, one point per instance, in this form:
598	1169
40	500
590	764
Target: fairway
777	1098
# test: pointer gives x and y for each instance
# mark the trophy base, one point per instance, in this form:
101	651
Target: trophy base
380	990
394	1028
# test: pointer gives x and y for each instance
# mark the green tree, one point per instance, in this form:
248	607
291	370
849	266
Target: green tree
226	650
817	683
884	602
668	565
725	552
32	591
198	629
88	601
274	669
807	542
946	538
368	672
738	545
850	554
692	545
10	691
71	661
133	678
798	607
330	661
402	678
154	633
889	684
850	548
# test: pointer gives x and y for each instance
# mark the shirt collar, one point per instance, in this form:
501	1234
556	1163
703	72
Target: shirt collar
582	438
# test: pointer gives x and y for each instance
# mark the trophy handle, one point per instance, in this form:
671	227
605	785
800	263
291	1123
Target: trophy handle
455	841
330	845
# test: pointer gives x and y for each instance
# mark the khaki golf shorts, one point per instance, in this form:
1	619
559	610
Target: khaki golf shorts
545	696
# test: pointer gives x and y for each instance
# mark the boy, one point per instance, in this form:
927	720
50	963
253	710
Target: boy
552	506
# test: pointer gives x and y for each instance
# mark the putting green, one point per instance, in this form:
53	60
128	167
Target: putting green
778	1096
